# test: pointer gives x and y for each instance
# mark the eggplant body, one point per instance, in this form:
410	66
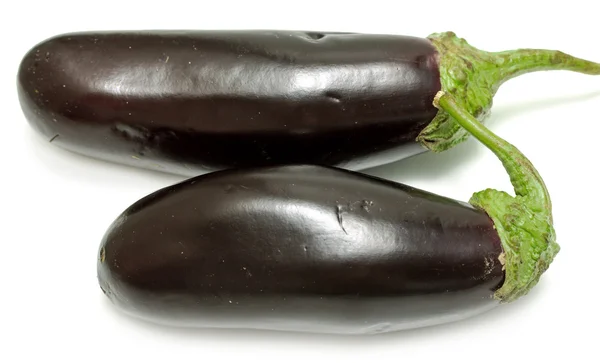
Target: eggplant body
189	102
300	248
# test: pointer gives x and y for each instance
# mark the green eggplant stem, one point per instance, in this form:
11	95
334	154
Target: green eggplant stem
513	63
473	77
524	222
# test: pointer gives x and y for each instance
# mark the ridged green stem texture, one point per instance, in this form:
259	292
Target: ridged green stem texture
524	221
473	77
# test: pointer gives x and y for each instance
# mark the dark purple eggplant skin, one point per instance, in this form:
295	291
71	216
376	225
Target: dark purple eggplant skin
191	102
300	248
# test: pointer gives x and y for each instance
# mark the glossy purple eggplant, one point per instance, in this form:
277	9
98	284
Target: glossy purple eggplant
301	248
189	102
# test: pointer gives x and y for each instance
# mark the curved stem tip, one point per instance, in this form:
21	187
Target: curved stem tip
524	222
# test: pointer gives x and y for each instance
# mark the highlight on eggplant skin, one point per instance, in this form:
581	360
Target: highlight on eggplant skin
300	248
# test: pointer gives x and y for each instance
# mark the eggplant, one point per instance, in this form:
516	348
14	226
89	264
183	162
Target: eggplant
294	247
196	101
321	249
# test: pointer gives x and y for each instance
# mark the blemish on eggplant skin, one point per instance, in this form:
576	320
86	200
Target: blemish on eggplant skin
315	35
366	204
102	255
488	268
340	217
333	97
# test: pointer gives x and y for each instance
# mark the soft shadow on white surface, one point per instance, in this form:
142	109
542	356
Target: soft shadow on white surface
429	165
521	109
435	165
507	313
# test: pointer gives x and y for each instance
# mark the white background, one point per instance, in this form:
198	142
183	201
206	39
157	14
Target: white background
55	206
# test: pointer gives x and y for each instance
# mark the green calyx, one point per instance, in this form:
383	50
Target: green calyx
524	222
527	236
474	76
